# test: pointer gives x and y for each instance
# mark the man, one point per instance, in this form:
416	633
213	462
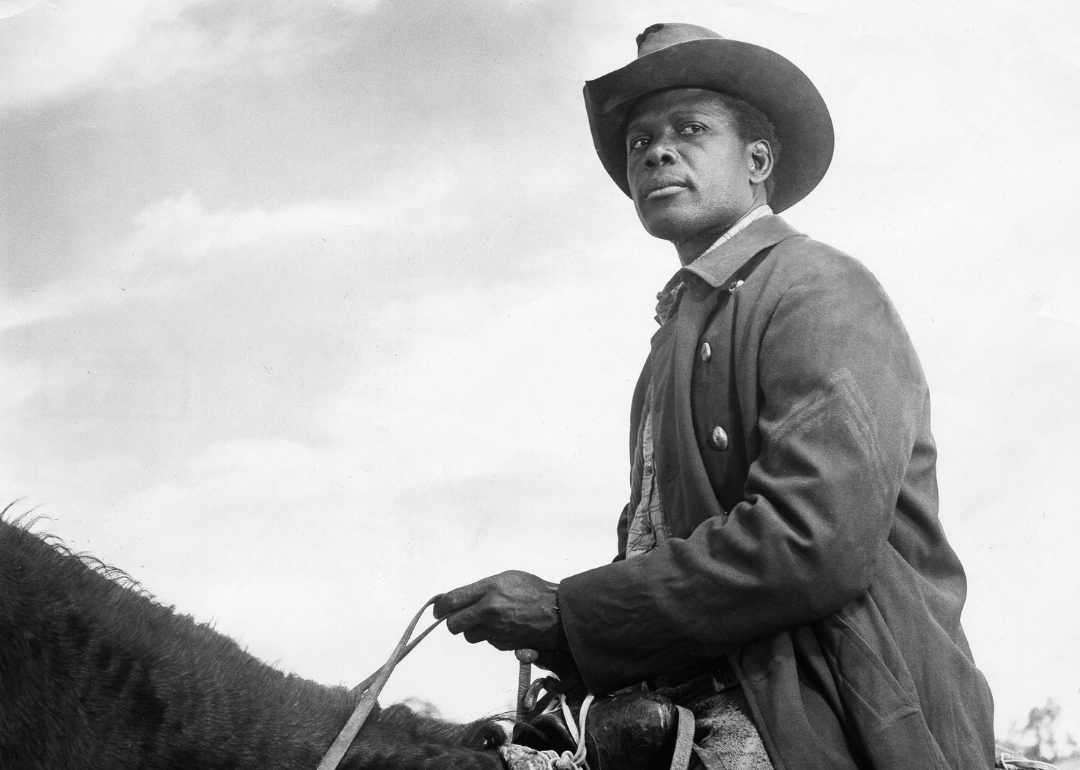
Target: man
782	533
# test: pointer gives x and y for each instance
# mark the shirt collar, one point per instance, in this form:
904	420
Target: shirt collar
744	221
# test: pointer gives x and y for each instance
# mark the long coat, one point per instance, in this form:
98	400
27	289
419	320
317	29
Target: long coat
797	470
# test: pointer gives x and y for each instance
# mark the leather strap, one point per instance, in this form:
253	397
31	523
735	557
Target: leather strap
710	761
684	740
685	746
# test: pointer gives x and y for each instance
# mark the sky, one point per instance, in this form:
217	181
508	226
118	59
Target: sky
311	311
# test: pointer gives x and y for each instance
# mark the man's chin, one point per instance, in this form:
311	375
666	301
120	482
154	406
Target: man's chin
683	225
672	228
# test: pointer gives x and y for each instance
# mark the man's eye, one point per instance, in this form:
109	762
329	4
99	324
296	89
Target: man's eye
640	143
692	128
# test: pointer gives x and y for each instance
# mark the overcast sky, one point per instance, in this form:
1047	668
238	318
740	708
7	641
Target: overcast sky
312	310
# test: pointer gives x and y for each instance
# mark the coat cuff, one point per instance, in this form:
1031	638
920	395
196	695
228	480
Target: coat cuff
602	670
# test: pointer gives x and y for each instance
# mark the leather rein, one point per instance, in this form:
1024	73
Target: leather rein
370	688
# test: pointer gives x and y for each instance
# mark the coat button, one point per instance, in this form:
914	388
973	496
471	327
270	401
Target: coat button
718	439
706	351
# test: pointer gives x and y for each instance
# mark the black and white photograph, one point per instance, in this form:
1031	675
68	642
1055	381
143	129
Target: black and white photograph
712	367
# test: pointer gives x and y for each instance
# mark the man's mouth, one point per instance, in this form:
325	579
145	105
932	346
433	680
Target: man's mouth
665	191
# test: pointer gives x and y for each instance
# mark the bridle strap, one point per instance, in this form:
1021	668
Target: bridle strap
370	688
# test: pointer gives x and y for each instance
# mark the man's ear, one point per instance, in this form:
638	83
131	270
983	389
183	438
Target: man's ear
760	161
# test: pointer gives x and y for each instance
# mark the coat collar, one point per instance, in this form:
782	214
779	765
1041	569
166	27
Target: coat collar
718	266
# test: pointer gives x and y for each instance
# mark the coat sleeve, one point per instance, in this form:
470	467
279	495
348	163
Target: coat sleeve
841	394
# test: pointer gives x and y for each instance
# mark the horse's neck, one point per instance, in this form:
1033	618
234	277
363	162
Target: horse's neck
95	675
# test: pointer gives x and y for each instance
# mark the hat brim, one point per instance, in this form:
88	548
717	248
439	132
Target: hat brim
752	73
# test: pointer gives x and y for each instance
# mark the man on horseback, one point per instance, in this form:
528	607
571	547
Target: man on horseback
782	542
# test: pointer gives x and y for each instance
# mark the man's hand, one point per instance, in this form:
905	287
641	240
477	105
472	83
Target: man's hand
509	611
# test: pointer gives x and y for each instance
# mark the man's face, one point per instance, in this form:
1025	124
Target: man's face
689	172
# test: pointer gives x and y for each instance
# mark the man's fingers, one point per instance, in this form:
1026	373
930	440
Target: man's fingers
463	620
478	634
474	636
502	644
459	598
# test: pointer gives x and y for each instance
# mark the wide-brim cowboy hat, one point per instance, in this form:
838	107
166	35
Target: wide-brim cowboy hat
688	56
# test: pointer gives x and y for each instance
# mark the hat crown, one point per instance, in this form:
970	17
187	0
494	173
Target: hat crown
659	36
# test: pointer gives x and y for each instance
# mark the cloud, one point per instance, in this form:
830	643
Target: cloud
183	229
45	305
382	233
56	49
9	8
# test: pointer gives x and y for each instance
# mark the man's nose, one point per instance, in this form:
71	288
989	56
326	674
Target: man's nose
660	153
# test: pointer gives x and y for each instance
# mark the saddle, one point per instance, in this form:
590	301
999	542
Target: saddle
636	729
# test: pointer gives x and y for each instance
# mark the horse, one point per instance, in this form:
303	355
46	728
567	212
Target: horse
95	674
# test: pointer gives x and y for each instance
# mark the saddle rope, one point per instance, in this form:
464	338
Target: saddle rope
569	760
370	688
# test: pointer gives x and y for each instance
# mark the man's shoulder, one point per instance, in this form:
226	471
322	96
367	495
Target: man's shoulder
803	261
805	255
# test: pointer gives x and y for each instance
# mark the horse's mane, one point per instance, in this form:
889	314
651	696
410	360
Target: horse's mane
94	672
29	521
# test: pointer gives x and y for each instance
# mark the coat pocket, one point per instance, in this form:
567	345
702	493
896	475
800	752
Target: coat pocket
881	713
865	683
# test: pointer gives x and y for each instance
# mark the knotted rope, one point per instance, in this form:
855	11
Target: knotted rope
570	760
1008	761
